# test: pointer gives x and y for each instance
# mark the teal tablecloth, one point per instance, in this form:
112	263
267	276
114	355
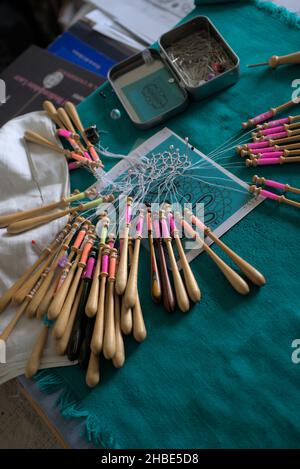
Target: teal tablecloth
220	376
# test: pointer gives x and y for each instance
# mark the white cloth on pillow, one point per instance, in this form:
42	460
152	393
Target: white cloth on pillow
30	175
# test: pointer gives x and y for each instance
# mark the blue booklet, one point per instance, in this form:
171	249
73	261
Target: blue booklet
69	47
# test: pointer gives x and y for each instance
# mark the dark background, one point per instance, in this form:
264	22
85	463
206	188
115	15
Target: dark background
26	22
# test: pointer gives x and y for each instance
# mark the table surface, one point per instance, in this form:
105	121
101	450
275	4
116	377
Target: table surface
69	433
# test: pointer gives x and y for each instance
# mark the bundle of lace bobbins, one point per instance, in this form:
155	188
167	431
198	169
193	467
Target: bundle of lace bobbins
279	186
274	142
85	286
71	130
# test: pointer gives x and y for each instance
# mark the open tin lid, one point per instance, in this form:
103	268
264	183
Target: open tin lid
148	88
153	85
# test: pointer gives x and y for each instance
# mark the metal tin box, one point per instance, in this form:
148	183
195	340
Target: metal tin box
152	86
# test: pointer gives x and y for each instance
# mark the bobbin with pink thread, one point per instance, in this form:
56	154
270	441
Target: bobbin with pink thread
277	135
274	154
156	226
171	221
128	213
105	261
165	228
139	226
89	270
258	191
260	144
275	123
275	184
269	182
257	119
65	133
272	130
264	193
256	151
262	161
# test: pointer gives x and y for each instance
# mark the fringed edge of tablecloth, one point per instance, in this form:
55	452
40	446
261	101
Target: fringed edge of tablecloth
69	407
279	12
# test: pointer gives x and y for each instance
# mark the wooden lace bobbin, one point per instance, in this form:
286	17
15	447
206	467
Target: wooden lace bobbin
168	296
62	320
130	295
122	274
77	312
80	157
32	280
81	335
190	281
180	291
34	360
28	224
236	281
277	185
42	291
119	357
19	313
284	141
98	334
62	343
61	289
61	272
29	311
50	109
86	229
126	313
60	295
267	115
8	294
271	149
280	128
259	191
65	119
92	303
274	153
294	126
126	318
31	223
291	146
291	152
271	161
156	292
109	339
73	114
71	110
277	122
74	142
93	371
280	135
6	220
251	273
85	345
40	140
139	328
12	324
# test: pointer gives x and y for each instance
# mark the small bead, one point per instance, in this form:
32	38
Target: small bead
115	114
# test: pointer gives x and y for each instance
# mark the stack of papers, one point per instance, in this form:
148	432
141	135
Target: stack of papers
137	23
